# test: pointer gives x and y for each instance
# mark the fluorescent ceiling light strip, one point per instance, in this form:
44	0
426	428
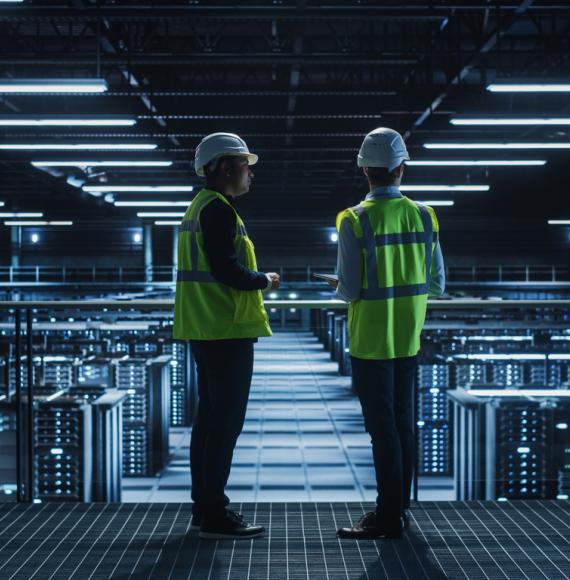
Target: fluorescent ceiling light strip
499	338
561	356
101	163
439	203
67	122
478	163
514	356
136	188
160	214
497	145
2	204
561	337
513	121
167	223
77	146
444	188
22	214
151	203
519	392
559	222
529	88
37	223
53	86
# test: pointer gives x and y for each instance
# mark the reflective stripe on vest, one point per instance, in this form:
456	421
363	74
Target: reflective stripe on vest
370	242
193	275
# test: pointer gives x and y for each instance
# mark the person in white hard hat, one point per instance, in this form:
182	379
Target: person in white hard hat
219	309
389	261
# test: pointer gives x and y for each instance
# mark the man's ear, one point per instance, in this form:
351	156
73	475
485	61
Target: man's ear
399	170
225	167
365	171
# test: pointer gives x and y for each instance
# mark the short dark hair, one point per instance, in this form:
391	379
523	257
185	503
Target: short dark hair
381	175
214	166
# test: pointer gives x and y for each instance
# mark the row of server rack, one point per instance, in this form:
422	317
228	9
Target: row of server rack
96	419
69	350
496	362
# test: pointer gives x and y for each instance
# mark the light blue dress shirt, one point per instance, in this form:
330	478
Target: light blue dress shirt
349	262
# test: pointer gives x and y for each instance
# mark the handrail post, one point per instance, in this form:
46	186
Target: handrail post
31	442
18	373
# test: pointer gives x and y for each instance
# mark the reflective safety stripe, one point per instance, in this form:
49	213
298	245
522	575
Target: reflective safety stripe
392	292
194	276
428	236
369	246
241	231
370	242
407	238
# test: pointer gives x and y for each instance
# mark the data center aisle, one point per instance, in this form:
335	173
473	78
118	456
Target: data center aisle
303	438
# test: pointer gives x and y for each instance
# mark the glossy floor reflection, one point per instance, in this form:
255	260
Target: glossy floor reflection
303	438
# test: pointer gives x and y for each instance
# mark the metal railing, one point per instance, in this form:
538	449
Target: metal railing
46	275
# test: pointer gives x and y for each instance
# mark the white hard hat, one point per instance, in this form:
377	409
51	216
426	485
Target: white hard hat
382	147
218	145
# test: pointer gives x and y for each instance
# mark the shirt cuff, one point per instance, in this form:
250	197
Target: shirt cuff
269	283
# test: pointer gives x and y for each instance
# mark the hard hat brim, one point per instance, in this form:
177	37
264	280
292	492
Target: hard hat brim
252	159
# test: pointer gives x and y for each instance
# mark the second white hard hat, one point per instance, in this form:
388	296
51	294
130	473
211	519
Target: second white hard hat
382	147
218	145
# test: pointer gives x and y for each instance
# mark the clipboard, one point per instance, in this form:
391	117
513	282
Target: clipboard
326	277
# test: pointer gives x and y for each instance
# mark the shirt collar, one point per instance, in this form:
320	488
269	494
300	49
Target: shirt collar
384	192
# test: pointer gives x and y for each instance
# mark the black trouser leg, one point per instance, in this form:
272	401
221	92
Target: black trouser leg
225	370
404	378
199	431
385	392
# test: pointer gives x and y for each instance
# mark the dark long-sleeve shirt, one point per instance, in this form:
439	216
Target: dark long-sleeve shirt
218	223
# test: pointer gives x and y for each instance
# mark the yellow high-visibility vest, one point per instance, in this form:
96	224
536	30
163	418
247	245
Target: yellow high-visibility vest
206	309
397	237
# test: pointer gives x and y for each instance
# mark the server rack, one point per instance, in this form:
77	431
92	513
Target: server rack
180	395
433	419
63	454
510	447
145	413
108	446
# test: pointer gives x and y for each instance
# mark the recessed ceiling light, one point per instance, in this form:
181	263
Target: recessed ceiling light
444	188
101	163
53	86
497	145
136	188
477	163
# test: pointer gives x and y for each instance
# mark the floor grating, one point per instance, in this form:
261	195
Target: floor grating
456	540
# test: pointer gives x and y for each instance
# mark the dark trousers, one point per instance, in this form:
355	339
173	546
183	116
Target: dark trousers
225	368
385	389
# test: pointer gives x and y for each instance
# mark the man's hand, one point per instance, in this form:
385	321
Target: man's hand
333	283
275	280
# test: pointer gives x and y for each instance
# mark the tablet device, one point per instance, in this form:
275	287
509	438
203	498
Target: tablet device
327	277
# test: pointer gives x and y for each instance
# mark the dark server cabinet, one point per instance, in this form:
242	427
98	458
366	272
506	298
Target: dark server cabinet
107	414
107	441
8	475
433	419
510	447
146	414
180	386
63	456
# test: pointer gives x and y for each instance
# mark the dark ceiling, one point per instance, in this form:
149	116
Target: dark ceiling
302	81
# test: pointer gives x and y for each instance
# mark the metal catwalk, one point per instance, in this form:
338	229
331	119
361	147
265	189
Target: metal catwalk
455	540
303	438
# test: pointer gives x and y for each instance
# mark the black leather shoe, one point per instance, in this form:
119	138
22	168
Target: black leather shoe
230	527
367	529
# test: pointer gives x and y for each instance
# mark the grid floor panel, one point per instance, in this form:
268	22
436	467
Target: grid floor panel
475	540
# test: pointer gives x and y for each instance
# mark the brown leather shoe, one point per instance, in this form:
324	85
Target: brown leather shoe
366	529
